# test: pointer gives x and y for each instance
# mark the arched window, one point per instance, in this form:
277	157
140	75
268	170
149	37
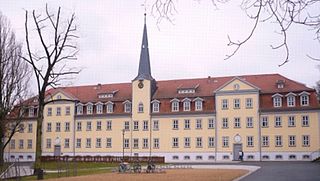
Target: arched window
140	107
109	107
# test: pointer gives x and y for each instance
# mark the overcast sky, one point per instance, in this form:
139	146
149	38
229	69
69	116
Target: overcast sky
193	47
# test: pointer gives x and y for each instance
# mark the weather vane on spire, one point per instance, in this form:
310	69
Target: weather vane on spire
145	10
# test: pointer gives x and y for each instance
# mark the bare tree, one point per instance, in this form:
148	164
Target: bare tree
50	63
285	13
14	77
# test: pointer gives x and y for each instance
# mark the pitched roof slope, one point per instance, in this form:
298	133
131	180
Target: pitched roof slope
169	88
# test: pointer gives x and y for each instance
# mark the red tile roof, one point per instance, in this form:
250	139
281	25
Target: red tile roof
168	88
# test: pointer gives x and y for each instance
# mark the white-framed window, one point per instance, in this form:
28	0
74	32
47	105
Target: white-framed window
198	157
67	126
210	142
135	125
89	125
78	143
156	143
99	125
155	106
109	125
66	143
249	122
175	124
224	103
109	107
305	121
12	144
99	108
136	143
292	140
89	108
249	103
198	123
186	157
29	144
265	141
305	140
58	126
291	101
145	143
49	111
249	141
277	121
80	109
58	113
126	125
88	143
175	142
145	125
175	106
31	111
237	123
48	143
68	110
199	142
277	101
187	124
225	141
236	103
30	128
187	142
109	142
198	105
98	142
211	123
175	157
225	123
127	107
278	140
140	108
291	121
304	99
155	125
49	127
79	126
186	105
264	122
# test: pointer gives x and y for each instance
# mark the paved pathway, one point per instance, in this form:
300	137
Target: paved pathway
284	171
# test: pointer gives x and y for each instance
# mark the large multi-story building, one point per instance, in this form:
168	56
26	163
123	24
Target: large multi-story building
268	117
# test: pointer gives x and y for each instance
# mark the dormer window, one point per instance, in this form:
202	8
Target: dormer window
304	98
174	105
277	100
186	91
31	111
105	95
127	106
198	104
99	108
89	108
186	104
280	84
58	97
140	107
291	99
155	105
80	109
109	107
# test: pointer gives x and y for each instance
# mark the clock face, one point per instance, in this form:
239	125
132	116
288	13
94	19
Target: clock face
140	85
237	138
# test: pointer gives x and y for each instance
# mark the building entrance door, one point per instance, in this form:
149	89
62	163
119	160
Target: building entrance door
236	149
57	150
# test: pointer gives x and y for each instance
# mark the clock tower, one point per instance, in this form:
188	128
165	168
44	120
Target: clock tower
143	87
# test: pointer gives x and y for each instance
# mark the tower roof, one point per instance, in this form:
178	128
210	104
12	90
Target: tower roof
144	63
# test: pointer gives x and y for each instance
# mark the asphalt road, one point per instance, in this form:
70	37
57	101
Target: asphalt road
284	171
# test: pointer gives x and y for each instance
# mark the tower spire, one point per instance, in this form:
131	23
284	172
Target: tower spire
144	63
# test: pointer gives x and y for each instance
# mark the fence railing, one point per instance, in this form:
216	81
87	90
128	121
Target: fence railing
108	159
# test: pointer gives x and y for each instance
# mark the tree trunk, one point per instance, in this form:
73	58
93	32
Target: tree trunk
2	133
40	118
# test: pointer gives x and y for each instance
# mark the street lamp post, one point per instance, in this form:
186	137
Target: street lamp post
123	130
